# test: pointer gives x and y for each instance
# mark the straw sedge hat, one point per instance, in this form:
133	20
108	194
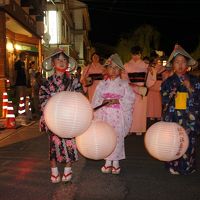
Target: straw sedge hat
114	58
179	50
47	62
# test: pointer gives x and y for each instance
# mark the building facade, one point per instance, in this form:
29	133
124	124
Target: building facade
67	25
36	27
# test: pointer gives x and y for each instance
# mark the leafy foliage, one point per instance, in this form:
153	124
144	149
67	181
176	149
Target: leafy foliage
145	36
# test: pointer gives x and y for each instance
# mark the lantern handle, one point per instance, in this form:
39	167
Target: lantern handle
103	104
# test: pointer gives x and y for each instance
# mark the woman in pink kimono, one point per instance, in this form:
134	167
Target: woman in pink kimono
91	76
118	111
136	73
154	104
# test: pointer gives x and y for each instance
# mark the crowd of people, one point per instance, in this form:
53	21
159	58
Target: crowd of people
140	91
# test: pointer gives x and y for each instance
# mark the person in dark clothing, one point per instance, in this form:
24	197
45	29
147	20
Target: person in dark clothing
20	77
180	97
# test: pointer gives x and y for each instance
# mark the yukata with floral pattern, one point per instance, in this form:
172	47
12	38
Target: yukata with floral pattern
63	150
119	116
187	118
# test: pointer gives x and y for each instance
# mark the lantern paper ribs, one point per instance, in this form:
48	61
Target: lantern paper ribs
68	114
98	141
166	141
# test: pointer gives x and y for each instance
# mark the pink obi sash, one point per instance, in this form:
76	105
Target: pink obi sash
112	96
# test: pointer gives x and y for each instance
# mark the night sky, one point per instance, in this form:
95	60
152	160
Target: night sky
177	21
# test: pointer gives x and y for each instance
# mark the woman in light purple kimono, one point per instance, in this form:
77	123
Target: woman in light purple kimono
118	111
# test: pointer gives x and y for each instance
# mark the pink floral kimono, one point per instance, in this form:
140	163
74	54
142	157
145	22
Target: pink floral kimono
118	116
61	149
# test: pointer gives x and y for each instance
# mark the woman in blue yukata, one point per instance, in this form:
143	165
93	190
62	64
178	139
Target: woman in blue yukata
61	150
181	103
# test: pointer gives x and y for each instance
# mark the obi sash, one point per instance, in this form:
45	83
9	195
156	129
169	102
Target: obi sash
159	77
93	77
137	77
96	76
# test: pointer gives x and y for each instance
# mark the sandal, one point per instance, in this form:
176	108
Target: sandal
116	170
67	177
55	179
172	171
106	169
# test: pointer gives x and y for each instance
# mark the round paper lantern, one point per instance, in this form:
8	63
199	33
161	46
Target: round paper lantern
68	114
98	141
166	141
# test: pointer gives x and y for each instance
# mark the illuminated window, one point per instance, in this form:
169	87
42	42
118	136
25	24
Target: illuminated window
53	26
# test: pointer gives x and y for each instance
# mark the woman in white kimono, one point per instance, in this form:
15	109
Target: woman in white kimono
118	112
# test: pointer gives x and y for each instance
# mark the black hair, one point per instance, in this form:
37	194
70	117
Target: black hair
146	58
153	56
78	68
135	50
22	54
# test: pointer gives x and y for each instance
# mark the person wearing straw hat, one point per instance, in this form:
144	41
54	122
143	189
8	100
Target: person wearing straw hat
61	150
117	112
181	100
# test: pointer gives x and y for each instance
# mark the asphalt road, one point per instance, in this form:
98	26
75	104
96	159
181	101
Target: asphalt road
25	175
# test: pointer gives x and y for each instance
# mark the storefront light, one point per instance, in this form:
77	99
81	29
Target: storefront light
9	47
18	47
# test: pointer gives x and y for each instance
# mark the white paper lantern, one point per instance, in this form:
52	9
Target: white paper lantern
166	141
98	141
68	114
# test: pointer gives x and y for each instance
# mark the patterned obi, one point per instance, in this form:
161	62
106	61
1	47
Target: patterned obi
96	76
112	96
137	77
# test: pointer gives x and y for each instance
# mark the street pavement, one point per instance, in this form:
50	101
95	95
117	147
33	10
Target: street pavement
25	174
